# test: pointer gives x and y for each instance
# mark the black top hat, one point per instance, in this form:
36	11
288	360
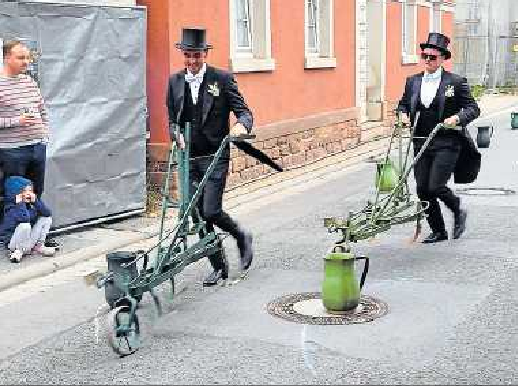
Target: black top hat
439	42
193	39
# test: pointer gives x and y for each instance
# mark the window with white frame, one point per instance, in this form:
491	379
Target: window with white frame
319	33
312	10
408	31
251	41
243	28
436	17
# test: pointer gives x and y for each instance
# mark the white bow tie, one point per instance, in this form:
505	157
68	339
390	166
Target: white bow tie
429	77
198	78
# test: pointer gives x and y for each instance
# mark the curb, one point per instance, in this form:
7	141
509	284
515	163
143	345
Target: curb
54	264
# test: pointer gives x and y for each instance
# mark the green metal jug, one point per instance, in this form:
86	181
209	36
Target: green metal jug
340	289
386	176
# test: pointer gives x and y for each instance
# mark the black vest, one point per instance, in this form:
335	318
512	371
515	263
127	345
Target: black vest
193	114
428	117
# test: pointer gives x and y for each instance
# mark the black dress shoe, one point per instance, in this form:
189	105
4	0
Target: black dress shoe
246	252
459	224
52	243
213	278
219	262
435	237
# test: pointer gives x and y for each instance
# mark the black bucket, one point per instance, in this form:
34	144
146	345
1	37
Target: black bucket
484	136
124	268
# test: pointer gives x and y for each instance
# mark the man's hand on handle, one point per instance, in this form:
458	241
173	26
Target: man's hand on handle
405	120
180	141
238	129
452	121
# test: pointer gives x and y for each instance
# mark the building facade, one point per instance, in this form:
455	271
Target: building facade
321	76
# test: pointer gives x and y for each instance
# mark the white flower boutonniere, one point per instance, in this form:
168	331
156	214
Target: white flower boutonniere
450	91
213	89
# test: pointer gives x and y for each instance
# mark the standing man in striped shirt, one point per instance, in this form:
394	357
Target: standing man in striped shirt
24	128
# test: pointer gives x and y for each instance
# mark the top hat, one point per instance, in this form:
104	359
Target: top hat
193	39
439	42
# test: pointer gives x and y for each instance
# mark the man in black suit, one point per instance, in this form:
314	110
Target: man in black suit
436	96
204	96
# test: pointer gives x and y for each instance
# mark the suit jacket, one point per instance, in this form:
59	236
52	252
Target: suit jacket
219	98
454	98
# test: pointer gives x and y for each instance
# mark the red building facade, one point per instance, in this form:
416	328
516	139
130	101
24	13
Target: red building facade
301	65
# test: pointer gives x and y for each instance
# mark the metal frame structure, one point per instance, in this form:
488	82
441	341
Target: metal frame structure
389	207
125	284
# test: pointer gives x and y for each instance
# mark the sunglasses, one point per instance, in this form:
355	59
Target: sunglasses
193	55
428	56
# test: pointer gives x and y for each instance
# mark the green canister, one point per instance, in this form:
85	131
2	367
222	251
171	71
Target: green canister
386	176
340	289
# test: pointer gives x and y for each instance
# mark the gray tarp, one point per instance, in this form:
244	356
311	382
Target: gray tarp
92	76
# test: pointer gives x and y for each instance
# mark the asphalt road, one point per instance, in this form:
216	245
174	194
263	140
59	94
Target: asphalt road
452	306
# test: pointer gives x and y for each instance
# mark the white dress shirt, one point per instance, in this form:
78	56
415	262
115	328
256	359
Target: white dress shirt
429	86
195	82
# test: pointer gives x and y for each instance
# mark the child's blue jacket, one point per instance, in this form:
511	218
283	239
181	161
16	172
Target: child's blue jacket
15	214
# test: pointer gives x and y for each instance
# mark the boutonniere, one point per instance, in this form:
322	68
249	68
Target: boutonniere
449	91
213	89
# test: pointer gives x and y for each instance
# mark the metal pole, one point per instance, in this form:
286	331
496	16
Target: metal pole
180	171
165	203
185	177
489	48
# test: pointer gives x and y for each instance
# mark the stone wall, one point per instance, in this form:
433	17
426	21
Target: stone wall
294	149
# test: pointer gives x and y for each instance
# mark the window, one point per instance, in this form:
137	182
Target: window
312	30
243	29
319	33
408	31
435	17
251	41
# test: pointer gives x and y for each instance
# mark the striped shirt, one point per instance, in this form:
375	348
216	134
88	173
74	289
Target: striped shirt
20	94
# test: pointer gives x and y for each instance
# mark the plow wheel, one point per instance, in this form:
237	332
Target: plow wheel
123	331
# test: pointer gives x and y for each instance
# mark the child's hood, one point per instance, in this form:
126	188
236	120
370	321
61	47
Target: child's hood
14	185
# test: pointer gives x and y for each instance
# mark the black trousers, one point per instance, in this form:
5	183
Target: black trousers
210	203
432	172
26	161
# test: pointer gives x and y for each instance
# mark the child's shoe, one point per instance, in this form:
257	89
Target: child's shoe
53	243
16	256
40	249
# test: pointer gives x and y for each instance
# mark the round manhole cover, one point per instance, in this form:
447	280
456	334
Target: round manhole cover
307	308
486	191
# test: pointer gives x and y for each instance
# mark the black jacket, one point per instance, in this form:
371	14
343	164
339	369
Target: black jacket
454	98
220	97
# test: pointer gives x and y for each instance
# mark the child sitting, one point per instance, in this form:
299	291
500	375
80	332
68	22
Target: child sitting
26	221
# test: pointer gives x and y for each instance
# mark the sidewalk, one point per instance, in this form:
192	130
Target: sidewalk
90	242
494	102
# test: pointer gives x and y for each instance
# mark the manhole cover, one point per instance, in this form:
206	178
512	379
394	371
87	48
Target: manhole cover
486	191
307	308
